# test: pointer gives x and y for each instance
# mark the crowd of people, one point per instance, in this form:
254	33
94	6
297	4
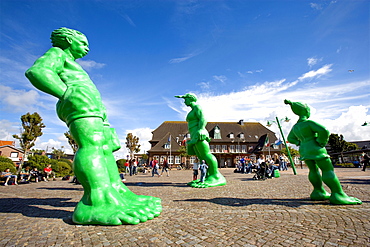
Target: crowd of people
265	166
27	174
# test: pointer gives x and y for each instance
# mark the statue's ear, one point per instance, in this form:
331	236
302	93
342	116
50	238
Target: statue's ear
69	39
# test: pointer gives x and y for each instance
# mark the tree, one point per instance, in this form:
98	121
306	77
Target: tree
58	153
71	141
32	126
293	152
339	145
132	144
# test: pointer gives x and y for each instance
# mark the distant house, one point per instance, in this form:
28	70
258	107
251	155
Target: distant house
229	141
11	152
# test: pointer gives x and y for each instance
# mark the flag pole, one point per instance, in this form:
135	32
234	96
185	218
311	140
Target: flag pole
287	149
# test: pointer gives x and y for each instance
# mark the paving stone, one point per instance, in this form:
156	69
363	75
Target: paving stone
245	212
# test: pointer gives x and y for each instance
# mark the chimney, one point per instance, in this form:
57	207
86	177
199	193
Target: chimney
241	121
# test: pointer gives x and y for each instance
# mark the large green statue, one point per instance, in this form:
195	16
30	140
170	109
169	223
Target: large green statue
199	144
106	200
311	138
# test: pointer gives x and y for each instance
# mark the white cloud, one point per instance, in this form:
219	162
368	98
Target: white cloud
316	73
311	61
204	85
89	64
220	78
8	129
18	100
316	6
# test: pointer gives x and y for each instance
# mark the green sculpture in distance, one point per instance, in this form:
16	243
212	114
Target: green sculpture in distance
106	200
312	138
199	144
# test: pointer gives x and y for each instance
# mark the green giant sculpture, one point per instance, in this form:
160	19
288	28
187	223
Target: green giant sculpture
106	200
311	138
199	144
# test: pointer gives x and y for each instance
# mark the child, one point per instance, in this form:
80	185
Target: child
203	171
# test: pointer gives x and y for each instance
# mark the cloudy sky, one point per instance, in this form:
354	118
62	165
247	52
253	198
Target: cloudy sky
241	58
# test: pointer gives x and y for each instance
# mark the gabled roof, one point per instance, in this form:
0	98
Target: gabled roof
4	143
252	130
9	146
165	140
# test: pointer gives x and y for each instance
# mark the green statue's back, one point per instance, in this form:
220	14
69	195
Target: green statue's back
312	138
199	144
106	200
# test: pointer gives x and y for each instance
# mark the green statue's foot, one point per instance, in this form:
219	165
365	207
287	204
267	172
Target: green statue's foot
193	182
319	195
343	199
211	181
108	207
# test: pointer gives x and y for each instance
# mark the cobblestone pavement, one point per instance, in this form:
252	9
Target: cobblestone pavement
245	212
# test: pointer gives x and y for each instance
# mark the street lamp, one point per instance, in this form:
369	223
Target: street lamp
286	119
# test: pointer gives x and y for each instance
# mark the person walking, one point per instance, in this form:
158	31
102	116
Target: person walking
165	168
365	161
203	171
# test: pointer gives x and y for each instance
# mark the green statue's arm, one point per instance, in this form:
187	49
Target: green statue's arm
44	73
201	133
292	138
322	133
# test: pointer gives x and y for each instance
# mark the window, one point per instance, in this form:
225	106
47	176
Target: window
218	148
167	145
244	148
217	133
14	155
162	159
232	148
212	148
224	148
170	159
177	159
237	148
192	159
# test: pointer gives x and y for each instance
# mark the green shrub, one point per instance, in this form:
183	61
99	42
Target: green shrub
62	168
5	165
344	165
39	161
6	160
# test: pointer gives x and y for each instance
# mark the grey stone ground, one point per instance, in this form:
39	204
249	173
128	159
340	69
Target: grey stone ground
245	212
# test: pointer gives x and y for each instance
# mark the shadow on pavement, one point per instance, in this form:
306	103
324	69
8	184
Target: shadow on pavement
354	181
239	202
32	207
158	184
61	188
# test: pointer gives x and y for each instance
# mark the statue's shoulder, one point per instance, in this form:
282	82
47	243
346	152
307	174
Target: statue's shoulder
55	52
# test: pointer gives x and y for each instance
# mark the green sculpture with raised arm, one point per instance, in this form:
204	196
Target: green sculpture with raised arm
311	138
106	200
199	144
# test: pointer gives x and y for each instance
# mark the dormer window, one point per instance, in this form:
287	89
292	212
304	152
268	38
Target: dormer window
216	132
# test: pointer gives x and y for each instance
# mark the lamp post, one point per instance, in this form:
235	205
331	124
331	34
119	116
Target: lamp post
286	119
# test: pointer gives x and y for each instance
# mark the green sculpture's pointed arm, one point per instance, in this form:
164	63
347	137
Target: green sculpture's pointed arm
292	138
322	133
44	73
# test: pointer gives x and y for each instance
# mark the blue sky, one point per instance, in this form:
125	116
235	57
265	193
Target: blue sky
241	58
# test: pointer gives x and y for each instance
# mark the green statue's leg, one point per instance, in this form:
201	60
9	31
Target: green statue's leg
214	177
338	196
314	176
153	207
101	203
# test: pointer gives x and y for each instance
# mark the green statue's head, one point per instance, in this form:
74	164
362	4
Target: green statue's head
189	96
59	37
298	108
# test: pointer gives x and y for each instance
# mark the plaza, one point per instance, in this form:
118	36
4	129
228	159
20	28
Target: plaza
245	212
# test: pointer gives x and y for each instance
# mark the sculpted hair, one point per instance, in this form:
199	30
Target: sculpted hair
59	37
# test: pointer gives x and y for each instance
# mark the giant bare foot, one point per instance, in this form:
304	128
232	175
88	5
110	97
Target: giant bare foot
319	195
213	180
106	206
343	199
